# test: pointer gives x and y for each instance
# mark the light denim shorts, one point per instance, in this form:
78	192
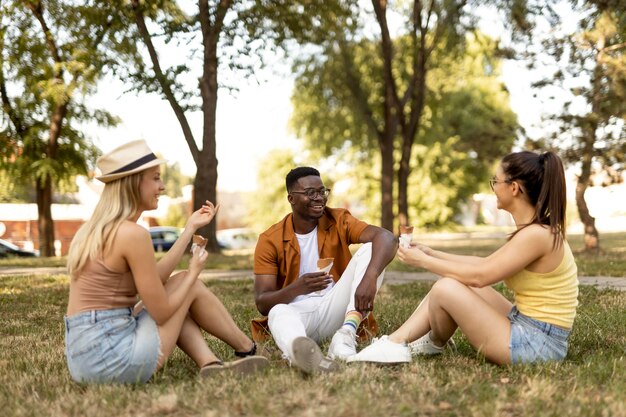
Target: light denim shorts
104	346
535	341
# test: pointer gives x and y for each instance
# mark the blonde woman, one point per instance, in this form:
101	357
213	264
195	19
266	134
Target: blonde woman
111	261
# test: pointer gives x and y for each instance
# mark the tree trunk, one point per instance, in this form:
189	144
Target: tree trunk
204	189
386	181
403	185
591	237
45	224
205	184
207	163
386	138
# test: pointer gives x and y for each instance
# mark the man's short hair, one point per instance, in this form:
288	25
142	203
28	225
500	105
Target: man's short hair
297	173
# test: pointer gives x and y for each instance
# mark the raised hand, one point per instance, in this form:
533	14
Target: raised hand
202	216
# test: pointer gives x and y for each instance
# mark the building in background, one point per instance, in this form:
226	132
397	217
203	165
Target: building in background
18	222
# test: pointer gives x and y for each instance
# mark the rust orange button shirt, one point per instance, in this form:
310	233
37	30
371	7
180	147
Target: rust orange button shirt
278	253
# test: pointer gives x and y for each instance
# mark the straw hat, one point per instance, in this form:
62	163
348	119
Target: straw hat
125	160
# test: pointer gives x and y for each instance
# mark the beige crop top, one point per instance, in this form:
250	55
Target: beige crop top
99	288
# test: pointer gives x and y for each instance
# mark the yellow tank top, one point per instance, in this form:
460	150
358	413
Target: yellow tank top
551	297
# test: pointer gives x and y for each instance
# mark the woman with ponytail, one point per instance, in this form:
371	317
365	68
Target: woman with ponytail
109	337
536	263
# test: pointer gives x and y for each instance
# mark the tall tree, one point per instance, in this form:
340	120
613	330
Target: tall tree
421	28
234	35
588	67
466	121
431	24
51	55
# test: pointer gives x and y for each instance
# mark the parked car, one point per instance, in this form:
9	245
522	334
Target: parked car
239	238
163	237
8	249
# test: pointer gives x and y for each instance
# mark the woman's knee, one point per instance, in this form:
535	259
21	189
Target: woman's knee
198	288
445	288
176	277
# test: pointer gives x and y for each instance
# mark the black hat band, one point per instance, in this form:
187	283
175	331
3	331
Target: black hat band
139	162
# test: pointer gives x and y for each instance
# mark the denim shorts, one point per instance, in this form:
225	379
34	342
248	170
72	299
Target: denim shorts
111	346
535	341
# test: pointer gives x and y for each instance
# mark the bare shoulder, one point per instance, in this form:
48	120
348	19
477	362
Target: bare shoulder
130	231
536	235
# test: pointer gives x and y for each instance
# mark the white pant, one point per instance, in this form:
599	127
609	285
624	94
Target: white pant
320	317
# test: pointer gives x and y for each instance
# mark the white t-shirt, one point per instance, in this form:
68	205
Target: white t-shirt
309	256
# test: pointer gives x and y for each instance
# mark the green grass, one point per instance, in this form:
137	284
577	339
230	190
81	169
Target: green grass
34	380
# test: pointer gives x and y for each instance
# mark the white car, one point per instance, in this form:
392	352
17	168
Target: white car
239	238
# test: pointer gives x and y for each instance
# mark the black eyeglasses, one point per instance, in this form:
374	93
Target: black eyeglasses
312	193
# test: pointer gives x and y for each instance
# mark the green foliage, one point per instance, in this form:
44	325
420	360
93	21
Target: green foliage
174	180
268	204
466	125
590	63
51	56
40	72
249	35
177	215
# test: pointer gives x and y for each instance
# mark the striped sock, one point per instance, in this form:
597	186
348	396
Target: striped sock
352	321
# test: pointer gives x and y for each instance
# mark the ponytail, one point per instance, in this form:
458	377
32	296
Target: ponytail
551	204
543	179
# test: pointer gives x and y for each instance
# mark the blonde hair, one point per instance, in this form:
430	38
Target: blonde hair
119	201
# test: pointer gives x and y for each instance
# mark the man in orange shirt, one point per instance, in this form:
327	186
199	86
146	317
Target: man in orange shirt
305	305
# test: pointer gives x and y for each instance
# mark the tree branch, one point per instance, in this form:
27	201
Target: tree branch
360	98
37	9
615	47
7	107
163	81
380	9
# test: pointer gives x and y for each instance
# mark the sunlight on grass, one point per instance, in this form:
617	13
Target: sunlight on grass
34	379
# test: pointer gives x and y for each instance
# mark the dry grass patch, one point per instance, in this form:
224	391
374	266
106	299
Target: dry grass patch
34	380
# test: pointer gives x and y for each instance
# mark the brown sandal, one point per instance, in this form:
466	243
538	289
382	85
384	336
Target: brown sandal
212	368
242	367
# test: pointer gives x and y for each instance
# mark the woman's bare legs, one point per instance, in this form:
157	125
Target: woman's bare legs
419	323
184	325
452	304
191	341
416	326
210	314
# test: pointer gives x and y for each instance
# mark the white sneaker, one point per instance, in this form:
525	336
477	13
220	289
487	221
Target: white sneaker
342	345
308	357
425	346
383	350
